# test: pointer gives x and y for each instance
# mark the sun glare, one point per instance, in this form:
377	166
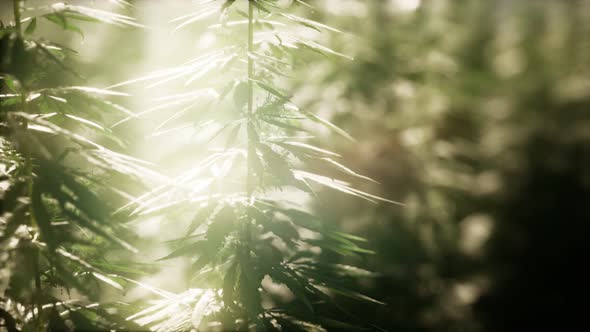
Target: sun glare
406	5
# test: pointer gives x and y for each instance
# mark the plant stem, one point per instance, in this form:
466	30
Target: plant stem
16	9
38	290
29	174
251	143
250	124
251	148
37	298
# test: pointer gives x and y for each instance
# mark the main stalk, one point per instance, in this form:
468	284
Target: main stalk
250	114
251	141
16	10
37	295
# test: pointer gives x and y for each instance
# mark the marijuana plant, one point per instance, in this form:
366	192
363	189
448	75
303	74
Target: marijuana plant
245	240
58	161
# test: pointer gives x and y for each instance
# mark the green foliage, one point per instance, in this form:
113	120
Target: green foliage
466	108
472	113
243	241
254	256
54	220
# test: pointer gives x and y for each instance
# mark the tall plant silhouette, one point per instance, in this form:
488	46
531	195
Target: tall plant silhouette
244	240
56	188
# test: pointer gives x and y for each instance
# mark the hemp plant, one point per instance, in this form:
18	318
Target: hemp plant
244	240
58	166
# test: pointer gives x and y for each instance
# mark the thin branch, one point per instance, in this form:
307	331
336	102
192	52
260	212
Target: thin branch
37	297
16	8
251	148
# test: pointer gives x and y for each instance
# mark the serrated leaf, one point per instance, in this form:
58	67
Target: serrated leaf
309	23
204	214
321	49
259	6
227	4
272	90
94	271
107	280
187	249
93	90
306	148
305	4
355	295
277	163
61	20
281	124
31	27
229	281
328	124
194	17
86	122
221	225
348	170
295	287
83	13
341	186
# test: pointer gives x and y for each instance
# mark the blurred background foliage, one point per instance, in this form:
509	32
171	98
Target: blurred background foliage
473	113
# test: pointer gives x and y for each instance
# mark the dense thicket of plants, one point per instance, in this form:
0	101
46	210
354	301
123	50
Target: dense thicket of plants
61	171
242	231
254	255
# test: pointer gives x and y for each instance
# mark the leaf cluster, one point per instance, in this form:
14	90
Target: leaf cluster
55	223
254	258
